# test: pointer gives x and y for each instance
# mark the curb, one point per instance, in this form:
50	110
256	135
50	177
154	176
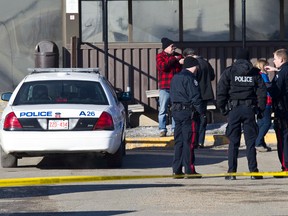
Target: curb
148	142
168	142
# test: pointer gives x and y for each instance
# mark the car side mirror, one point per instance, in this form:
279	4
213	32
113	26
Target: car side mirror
124	96
6	96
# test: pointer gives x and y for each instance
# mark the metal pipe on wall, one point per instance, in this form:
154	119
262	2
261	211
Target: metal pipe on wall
243	23
105	35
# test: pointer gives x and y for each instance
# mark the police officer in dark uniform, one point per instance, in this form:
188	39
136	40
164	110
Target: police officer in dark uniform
241	93
279	93
186	103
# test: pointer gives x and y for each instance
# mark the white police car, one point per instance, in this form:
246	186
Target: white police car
62	110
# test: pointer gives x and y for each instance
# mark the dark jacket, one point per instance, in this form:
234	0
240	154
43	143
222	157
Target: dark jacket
241	81
205	75
185	89
279	89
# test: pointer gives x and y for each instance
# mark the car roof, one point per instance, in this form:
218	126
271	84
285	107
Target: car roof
41	74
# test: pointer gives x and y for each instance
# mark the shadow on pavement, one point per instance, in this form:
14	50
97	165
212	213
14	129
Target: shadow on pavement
38	191
80	213
135	159
163	158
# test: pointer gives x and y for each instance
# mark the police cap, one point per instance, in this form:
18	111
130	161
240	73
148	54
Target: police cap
190	62
242	53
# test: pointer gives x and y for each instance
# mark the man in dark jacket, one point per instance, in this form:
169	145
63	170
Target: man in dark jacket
186	100
204	75
279	93
241	93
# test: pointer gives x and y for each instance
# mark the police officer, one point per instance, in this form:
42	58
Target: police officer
241	93
205	75
279	93
186	102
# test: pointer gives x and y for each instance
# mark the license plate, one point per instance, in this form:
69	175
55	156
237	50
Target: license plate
58	125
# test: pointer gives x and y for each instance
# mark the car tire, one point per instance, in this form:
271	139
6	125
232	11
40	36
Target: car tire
8	160
123	145
115	160
123	142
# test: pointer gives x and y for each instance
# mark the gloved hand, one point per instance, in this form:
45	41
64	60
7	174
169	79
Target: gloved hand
224	111
259	112
203	118
260	115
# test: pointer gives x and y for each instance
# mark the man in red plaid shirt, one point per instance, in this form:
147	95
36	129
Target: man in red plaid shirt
168	63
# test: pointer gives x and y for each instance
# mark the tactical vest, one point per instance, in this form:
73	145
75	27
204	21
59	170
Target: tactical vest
242	87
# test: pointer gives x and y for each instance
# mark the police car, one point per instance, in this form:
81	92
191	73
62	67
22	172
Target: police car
63	110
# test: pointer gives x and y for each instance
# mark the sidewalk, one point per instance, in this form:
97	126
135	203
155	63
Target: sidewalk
143	137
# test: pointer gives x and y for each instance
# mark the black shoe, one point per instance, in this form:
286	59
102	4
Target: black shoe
194	175
261	149
269	149
256	177
201	145
230	177
178	175
282	176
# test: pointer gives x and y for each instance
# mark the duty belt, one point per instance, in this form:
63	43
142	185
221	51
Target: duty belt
180	106
236	102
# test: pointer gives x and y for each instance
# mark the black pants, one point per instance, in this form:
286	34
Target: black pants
185	138
238	116
202	124
281	130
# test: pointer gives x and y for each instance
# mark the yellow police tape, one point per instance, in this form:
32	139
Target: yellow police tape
14	182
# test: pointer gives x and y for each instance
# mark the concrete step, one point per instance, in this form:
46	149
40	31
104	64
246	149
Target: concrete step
168	142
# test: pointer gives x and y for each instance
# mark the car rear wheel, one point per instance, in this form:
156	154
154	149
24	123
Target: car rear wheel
8	160
123	145
115	160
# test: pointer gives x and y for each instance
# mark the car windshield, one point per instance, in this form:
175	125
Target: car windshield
61	91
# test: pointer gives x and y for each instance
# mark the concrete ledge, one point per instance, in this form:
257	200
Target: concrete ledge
168	142
219	140
144	142
270	138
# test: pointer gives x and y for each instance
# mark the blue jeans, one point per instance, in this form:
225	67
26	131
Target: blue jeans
164	101
264	125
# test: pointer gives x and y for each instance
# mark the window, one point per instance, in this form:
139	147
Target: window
92	22
262	20
110	86
205	20
58	92
286	19
154	19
